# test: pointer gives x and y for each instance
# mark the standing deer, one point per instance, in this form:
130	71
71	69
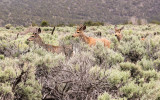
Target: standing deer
66	49
118	33
89	40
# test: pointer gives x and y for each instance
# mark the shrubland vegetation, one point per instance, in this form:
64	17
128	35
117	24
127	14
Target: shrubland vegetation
44	24
91	23
129	70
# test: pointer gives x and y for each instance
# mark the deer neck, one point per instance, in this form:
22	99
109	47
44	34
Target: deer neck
40	42
84	38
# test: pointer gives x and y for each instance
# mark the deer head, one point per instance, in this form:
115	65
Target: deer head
144	37
118	33
79	31
35	37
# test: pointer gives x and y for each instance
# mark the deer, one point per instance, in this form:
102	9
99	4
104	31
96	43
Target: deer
89	40
30	29
118	33
143	38
66	49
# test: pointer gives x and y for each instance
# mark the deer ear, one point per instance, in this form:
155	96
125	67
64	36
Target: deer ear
122	28
78	27
115	27
84	27
39	30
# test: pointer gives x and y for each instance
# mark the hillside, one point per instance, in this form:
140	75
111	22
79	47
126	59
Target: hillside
23	12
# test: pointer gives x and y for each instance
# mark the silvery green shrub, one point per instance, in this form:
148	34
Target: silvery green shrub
146	64
104	96
132	48
116	77
135	70
8	26
105	56
131	91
